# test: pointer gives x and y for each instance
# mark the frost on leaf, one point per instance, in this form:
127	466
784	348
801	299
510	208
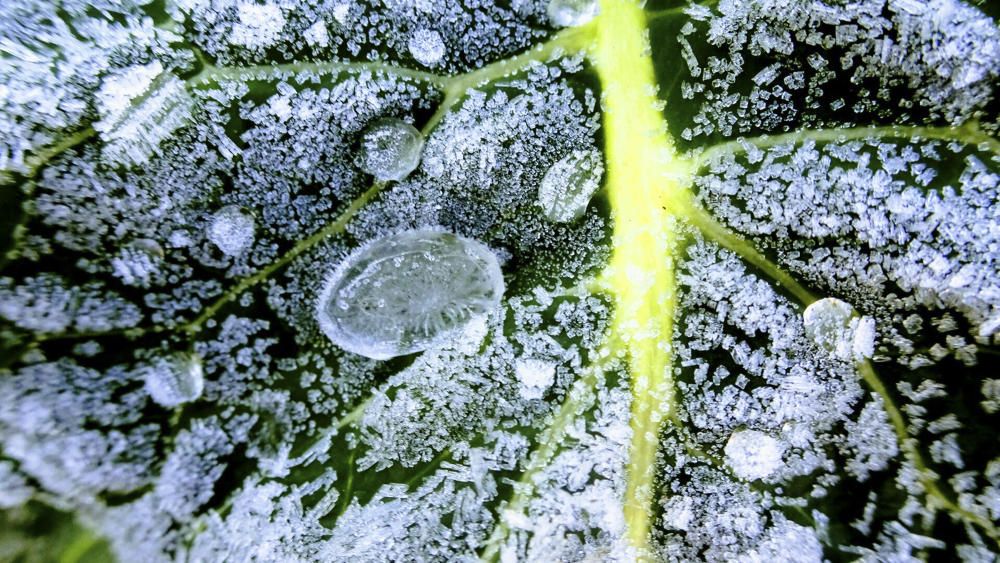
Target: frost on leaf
252	305
408	292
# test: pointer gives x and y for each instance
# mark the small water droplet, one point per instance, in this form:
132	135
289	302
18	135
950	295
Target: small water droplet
390	149
569	184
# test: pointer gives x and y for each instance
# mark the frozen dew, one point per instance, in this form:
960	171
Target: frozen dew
827	323
427	47
570	13
174	380
232	230
408	292
569	184
832	324
753	455
390	149
534	376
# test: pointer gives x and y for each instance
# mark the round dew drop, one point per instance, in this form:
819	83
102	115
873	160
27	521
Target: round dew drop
569	184
175	380
232	230
571	13
752	454
390	149
408	292
426	47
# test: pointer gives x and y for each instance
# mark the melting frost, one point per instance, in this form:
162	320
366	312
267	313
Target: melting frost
569	184
390	149
408	292
175	380
232	230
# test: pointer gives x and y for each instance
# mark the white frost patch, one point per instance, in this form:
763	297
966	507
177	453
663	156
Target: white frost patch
427	47
317	35
231	230
534	377
131	126
259	26
753	455
788	542
118	90
175	380
570	13
863	343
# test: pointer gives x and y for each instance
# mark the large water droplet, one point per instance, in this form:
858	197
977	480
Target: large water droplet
570	13
569	184
390	149
408	292
175	380
232	230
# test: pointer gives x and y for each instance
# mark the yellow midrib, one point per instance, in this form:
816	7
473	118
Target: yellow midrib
647	187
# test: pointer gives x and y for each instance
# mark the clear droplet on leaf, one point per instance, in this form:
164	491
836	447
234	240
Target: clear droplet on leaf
232	230
390	149
408	292
427	47
175	380
569	184
570	13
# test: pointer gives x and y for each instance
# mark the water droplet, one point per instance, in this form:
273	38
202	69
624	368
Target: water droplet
390	149
232	230
175	380
752	454
408	292
427	47
569	184
827	323
570	13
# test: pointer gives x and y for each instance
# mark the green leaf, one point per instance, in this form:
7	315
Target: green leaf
749	251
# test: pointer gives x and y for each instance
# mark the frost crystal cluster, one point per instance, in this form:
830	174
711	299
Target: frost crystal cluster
528	280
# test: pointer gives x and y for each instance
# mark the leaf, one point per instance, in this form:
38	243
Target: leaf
761	323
